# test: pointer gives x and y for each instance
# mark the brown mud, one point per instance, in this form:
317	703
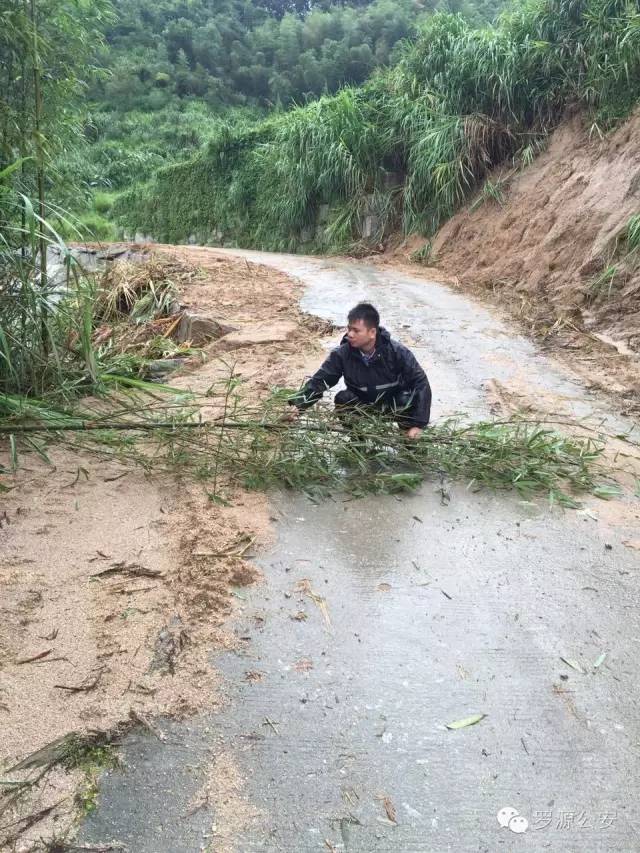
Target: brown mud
116	583
551	249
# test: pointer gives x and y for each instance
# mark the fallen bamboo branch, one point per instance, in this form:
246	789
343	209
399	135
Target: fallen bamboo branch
256	445
92	425
133	569
33	658
90	683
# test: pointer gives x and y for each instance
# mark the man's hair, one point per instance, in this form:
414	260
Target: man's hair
367	313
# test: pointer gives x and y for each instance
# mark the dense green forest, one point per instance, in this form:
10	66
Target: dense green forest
252	51
406	148
175	70
293	112
238	52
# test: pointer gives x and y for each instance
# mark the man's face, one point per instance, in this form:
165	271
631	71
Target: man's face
360	336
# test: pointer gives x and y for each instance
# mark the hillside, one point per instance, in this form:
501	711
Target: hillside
406	150
173	74
508	149
559	241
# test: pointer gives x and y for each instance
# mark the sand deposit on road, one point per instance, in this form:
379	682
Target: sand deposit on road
116	584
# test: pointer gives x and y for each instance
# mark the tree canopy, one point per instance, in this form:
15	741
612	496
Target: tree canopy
254	52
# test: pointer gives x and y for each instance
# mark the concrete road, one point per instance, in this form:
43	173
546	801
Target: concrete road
382	620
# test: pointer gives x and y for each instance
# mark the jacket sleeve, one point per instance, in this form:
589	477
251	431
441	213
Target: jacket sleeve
415	379
326	377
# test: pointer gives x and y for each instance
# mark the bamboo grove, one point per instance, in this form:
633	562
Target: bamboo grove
46	49
409	145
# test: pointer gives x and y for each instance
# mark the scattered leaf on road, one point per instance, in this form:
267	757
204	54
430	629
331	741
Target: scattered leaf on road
574	664
33	658
304	586
253	675
272	724
349	795
390	809
599	660
467	721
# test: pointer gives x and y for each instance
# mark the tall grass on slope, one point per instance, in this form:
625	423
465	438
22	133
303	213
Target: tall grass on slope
329	149
262	185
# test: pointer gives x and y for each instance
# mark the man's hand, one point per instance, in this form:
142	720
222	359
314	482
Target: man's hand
413	433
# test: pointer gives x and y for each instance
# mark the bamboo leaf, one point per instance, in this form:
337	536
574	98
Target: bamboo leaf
13	452
466	721
606	492
13	167
574	664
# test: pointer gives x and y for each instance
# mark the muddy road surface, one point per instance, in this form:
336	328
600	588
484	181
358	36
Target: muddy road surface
382	620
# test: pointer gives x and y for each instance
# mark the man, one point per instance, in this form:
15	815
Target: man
378	371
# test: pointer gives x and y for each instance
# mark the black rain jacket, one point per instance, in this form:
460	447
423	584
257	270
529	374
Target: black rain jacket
392	370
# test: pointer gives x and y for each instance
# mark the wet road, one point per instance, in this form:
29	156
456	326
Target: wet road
383	619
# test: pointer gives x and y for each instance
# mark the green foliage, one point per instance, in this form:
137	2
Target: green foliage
47	347
423	254
176	68
632	233
33	332
103	201
330	148
603	283
491	191
237	52
53	40
248	444
528	152
460	101
92	760
118	149
93	226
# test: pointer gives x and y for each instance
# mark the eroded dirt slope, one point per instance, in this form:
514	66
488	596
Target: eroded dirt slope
552	247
